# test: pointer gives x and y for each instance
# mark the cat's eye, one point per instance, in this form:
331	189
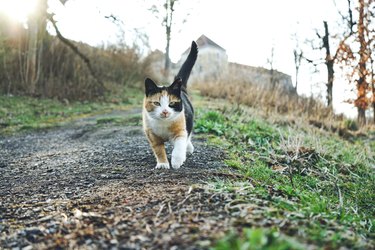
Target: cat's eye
156	103
172	104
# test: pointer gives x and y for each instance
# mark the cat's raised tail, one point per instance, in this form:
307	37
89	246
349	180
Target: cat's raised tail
185	70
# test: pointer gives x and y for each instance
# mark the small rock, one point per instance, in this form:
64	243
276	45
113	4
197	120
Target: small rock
2	227
77	213
113	242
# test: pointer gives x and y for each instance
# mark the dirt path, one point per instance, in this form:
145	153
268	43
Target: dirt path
88	186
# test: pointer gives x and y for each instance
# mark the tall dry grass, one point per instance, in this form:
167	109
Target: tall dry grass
62	73
278	104
268	100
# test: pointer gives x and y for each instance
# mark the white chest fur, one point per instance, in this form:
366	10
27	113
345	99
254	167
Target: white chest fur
160	128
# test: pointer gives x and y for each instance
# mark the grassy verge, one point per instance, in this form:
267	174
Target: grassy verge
24	113
300	187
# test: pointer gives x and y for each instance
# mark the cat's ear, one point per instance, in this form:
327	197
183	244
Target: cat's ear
176	86
150	87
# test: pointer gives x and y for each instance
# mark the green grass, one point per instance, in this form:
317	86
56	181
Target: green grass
19	113
258	239
322	186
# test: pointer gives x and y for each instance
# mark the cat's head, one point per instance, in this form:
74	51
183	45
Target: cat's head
163	103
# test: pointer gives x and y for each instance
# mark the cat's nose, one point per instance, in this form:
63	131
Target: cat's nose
165	112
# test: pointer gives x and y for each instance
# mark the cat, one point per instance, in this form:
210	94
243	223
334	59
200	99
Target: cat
168	116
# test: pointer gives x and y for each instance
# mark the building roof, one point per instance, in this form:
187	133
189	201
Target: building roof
204	41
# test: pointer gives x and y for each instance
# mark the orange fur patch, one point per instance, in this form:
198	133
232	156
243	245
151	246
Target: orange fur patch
178	127
157	145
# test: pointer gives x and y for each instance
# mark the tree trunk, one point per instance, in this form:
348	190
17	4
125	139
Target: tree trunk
169	9
31	60
362	85
36	33
361	119
329	63
297	63
331	73
167	64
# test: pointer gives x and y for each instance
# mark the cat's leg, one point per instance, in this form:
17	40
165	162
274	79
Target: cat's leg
161	156
157	145
179	151
189	147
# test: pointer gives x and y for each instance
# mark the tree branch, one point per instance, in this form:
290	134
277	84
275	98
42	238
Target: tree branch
76	50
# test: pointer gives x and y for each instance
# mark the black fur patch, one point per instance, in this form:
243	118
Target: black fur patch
175	88
177	106
151	88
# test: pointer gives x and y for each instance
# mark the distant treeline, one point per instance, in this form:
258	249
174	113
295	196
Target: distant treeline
42	65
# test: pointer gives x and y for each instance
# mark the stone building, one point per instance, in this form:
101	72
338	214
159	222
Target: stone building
212	65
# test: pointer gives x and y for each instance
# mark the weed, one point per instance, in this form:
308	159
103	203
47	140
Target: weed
210	122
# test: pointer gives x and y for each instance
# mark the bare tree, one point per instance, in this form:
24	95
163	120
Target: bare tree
168	21
298	55
329	61
167	15
270	61
342	52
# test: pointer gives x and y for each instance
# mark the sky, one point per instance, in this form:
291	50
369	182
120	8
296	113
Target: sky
247	29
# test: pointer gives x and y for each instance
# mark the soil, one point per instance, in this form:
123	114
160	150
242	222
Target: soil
90	186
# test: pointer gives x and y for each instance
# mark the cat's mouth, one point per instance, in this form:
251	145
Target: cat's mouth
164	116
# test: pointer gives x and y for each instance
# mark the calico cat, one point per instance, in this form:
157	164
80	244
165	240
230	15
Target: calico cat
168	115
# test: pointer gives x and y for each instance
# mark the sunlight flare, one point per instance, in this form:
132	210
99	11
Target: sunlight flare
17	10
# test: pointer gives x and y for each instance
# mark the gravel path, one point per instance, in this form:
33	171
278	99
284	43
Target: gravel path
91	186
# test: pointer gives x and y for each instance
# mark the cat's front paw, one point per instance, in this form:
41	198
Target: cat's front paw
177	161
162	166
